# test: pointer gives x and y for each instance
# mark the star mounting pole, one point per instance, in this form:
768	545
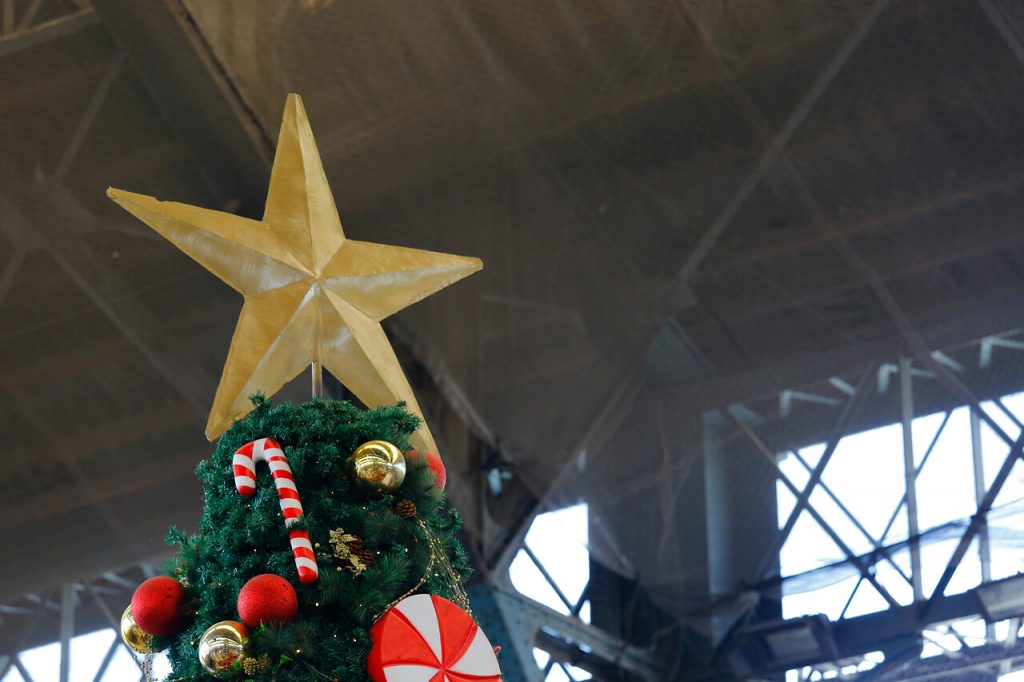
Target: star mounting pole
317	371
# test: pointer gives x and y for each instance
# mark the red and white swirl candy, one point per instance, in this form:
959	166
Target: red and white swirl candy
426	638
244	466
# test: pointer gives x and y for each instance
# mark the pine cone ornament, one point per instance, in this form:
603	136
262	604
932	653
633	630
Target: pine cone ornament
349	549
406	509
367	556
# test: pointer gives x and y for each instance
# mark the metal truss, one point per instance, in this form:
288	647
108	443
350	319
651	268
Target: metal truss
940	366
54	221
965	664
567	639
81	607
946	381
60	614
21	31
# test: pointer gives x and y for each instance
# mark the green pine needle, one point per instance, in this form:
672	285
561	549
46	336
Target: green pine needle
240	538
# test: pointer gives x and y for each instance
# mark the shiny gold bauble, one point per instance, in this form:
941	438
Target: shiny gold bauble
132	634
378	464
221	646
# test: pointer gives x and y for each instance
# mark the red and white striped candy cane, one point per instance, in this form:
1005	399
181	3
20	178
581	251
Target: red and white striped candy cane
244	466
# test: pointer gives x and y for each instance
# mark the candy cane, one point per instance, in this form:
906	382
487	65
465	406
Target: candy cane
244	465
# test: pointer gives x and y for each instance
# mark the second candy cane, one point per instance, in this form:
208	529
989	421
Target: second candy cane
244	465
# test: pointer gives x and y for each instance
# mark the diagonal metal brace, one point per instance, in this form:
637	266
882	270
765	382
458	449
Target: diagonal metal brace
850	555
837	433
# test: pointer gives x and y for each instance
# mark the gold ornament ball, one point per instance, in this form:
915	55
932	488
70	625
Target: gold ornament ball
221	646
132	634
378	464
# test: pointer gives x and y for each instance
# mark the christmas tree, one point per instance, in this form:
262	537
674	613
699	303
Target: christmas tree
325	549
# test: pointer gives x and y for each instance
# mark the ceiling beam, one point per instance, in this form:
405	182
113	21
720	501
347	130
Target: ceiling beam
778	143
50	88
795	49
98	601
23	39
88	117
980	317
910	336
140	163
1004	22
126	431
198	97
817	297
633	378
57	222
942	198
91	356
90	488
50	217
125	482
87	547
99	352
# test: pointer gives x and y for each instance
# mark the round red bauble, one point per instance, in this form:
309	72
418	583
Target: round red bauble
267	598
416	457
158	606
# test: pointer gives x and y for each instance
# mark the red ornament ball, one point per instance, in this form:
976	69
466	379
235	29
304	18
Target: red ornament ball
158	606
267	598
417	458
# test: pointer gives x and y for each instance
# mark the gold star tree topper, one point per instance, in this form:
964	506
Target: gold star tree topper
311	295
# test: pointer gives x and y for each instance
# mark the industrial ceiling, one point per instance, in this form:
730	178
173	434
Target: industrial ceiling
681	205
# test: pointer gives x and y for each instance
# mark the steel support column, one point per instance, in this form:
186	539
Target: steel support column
984	545
68	598
910	474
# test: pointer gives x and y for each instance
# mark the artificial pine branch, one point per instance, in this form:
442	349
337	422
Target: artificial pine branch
239	538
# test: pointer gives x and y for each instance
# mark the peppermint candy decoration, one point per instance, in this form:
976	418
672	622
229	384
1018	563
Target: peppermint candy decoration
244	466
426	638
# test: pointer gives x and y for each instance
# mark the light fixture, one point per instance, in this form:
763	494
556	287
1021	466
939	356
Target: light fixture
1001	599
782	644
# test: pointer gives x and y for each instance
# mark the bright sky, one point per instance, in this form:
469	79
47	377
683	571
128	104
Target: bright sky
866	474
87	653
559	541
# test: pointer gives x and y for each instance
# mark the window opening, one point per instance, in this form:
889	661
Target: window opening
553	568
862	496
